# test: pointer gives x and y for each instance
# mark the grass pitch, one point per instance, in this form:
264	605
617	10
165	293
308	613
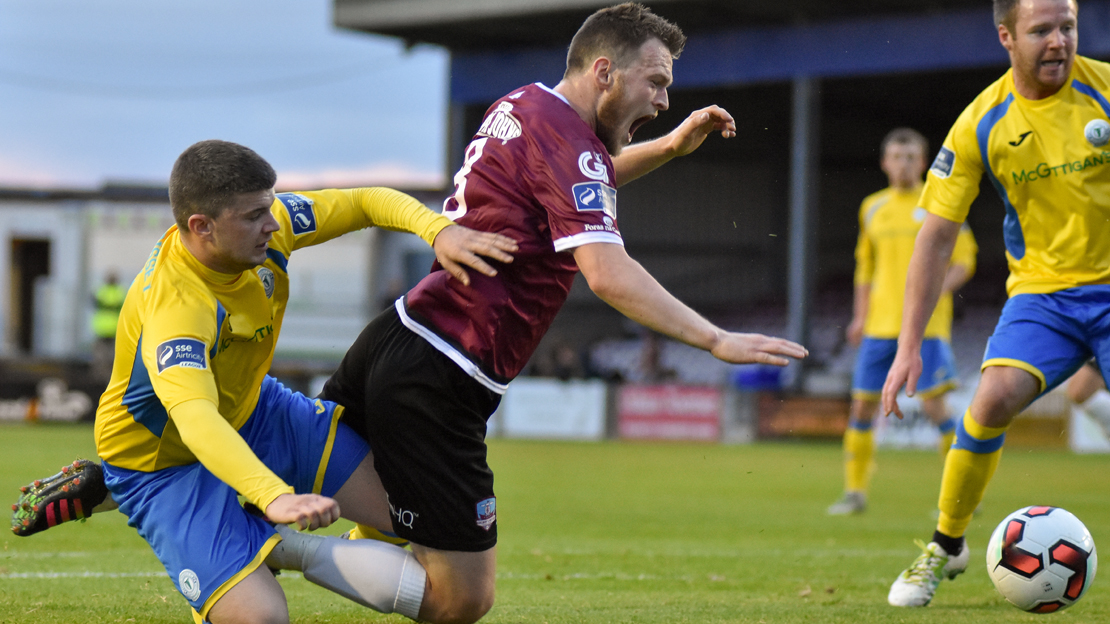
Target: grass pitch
614	532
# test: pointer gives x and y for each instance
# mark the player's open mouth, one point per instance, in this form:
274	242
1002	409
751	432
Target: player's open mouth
636	125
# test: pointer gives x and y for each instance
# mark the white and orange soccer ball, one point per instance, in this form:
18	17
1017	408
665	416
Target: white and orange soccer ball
1041	559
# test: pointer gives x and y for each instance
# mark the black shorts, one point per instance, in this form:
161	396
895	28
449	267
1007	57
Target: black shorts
425	420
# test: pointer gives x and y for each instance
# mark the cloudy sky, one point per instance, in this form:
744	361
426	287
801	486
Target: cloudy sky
114	90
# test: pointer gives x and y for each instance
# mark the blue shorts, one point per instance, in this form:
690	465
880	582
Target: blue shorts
1052	335
194	521
938	372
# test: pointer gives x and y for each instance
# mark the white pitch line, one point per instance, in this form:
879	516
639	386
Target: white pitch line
86	574
64	575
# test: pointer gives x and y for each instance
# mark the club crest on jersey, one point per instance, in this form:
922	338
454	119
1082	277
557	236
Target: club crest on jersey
183	352
487	513
942	166
592	165
501	124
1097	132
266	276
301	212
595	196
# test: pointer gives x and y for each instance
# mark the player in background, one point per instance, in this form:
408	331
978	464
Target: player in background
191	419
1039	135
1087	391
888	223
424	377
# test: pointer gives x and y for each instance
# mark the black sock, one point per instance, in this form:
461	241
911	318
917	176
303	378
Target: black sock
951	545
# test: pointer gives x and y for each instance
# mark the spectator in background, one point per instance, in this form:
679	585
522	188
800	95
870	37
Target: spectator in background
888	224
108	301
650	369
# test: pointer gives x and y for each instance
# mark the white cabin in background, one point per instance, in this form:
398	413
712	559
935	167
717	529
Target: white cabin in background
58	247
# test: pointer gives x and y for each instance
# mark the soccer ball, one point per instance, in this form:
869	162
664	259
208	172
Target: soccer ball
1041	559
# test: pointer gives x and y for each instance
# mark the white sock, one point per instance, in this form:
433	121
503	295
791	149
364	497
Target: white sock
1098	408
381	576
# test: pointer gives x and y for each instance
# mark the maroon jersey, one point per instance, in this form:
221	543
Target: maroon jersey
538	174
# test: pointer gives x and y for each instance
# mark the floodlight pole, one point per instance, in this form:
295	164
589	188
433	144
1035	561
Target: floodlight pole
804	183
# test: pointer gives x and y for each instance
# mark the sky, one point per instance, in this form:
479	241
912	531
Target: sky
111	91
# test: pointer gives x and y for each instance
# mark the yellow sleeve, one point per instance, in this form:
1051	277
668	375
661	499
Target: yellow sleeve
965	251
225	453
310	218
952	182
177	340
865	253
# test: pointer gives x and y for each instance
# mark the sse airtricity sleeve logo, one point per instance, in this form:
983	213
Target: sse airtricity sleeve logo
183	352
942	166
301	212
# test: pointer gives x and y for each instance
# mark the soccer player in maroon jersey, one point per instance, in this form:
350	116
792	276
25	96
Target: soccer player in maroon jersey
423	378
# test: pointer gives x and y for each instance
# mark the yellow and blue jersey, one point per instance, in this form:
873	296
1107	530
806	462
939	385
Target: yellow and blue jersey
1049	161
889	221
187	332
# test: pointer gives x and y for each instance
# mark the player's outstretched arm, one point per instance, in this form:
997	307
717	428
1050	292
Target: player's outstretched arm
640	158
458	247
932	251
621	282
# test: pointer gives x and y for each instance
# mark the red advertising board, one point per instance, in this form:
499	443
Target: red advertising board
669	412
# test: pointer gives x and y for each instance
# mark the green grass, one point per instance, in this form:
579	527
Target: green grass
614	532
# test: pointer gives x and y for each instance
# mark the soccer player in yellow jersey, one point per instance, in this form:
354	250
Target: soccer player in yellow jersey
191	418
888	223
1039	135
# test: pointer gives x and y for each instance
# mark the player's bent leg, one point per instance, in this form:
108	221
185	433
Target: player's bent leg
381	576
257	599
936	408
74	493
859	459
1003	392
460	584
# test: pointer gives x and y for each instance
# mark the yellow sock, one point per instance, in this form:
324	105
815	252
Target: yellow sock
859	457
945	443
947	436
361	531
968	469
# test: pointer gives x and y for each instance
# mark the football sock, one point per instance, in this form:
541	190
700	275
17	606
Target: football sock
1098	408
968	469
947	435
951	545
361	531
859	456
381	576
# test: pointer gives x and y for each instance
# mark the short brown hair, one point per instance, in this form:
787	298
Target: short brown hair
904	136
1005	12
208	174
618	32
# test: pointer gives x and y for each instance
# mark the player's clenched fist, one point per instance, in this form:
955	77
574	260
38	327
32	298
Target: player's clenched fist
307	511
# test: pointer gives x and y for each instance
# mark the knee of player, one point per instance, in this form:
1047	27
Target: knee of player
458	607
